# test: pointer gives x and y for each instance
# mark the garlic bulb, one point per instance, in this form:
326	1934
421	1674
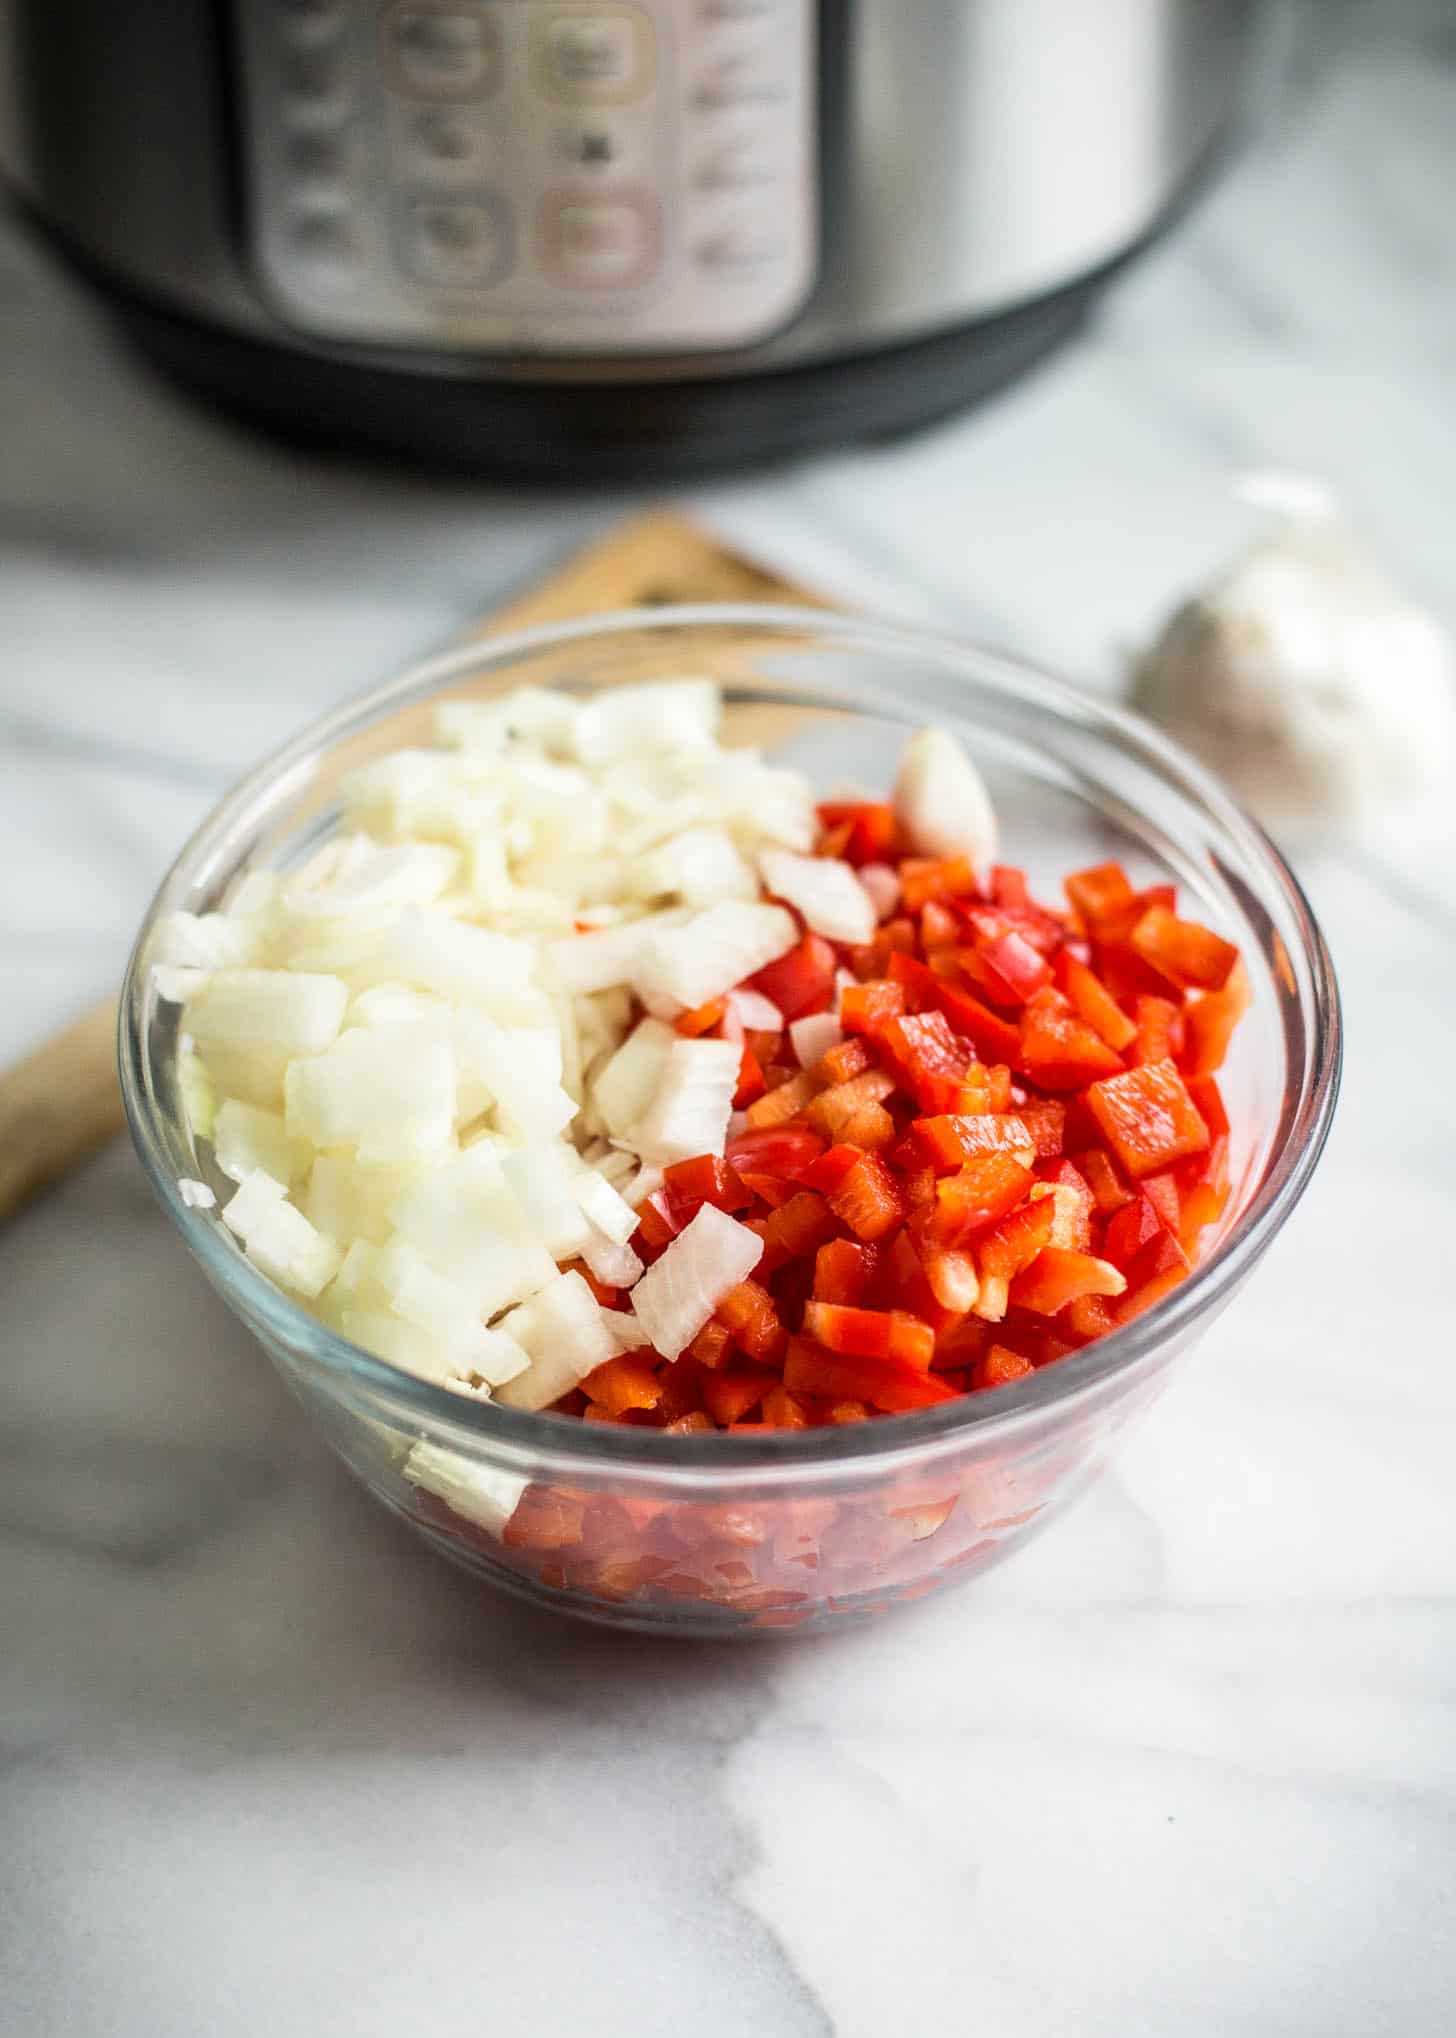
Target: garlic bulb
1308	681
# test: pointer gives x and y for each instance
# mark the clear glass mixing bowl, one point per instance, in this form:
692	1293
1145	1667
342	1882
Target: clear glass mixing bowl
720	1534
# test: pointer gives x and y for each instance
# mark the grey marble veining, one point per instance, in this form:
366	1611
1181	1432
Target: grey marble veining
1188	1764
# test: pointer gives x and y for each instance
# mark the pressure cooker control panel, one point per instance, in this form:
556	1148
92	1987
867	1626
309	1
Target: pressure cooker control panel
548	176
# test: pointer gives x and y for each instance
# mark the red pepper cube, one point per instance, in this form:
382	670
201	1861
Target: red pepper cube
707	1179
1057	1277
948	1141
751	1081
1093	1002
748	1312
801	981
1017	966
844	1271
1211	1020
799	1227
998	1367
870	1333
843	1062
1100	893
1147	1117
887	1384
786	1152
702	1019
866	1007
622	1383
1190	956
980	1194
923	878
1058	1050
784	1101
1015	1242
865	1201
834	1110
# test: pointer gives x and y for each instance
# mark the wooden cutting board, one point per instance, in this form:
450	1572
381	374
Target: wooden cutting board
62	1102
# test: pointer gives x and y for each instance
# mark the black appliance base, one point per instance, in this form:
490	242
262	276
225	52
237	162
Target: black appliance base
574	432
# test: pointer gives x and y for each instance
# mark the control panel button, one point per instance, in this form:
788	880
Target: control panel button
316	158
599	147
326	248
315	82
600	243
441	49
462	244
445	142
594	56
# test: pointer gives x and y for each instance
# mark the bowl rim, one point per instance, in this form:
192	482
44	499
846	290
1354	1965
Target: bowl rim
561	1438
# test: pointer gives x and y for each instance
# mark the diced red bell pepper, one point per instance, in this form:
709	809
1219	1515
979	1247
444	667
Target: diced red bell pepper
939	927
801	981
731	1393
544	1519
1190	956
888	1384
1045	1118
1159	1029
843	1062
1147	1117
658	1224
1072	1201
1009	886
834	1110
830	1169
1039	929
1057	1277
751	1081
1140	1298
1109	1191
874	833
1094	1002
1018	966
865	1008
784	1410
933	1063
800	1226
870	1333
1100	893
980	1194
622	1383
923	878
844	1271
710	1346
1089	1317
1058	1050
784	1101
865	1201
748	1312
1161	1191
998	1367
993	1038
1207	1096
707	1179
702	1019
946	1143
1211	1020
1015	1242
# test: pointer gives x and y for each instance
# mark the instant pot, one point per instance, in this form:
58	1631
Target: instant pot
571	237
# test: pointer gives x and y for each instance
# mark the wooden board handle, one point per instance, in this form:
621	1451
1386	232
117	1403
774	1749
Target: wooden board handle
63	1103
57	1106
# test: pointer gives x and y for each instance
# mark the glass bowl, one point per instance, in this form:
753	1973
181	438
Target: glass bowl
731	1534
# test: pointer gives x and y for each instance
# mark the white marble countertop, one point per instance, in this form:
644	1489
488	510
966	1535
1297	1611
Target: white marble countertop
1188	1764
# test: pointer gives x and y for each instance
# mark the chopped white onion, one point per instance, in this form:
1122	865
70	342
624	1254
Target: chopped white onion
561	1331
196	1195
689	1114
625	721
485	1494
246	1140
387	1090
823	891
812	1037
687	965
700	866
681	1289
624	1089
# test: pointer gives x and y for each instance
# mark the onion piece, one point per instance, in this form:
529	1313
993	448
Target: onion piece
942	802
681	1289
812	1037
687	965
689	1114
624	1089
562	1333
485	1494
823	891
